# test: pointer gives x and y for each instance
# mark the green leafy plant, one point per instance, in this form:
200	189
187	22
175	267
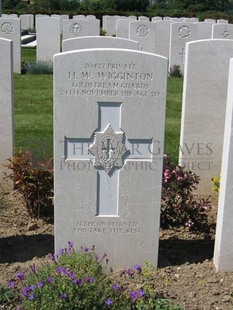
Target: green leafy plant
7	296
34	180
82	280
216	182
179	204
38	67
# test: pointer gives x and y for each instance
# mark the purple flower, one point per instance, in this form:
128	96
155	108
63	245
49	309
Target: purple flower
25	291
63	295
31	288
61	251
76	281
71	275
70	244
20	276
53	257
18	308
137	267
63	270
11	284
33	268
108	302
50	280
115	287
91	279
40	284
31	296
129	272
134	295
141	292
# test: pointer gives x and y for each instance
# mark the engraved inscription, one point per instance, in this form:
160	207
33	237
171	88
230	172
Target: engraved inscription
110	227
108	149
75	28
7	28
142	31
184	32
110	79
226	34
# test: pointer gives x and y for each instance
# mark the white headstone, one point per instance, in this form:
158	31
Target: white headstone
209	20
222	21
144	18
109	24
222	31
25	21
80	16
75	28
122	28
98	42
48	38
162	37
156	19
6	106
180	34
91	17
94	26
203	110
105	194
144	33
167	18
204	30
10	29
223	251
133	17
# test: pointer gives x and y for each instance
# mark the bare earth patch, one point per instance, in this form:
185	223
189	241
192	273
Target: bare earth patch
185	274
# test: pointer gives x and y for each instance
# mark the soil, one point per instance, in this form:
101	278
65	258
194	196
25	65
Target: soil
186	272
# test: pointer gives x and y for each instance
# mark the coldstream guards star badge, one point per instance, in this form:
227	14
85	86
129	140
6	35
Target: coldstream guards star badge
108	149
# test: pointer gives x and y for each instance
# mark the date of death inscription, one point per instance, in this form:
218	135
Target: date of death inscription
114	80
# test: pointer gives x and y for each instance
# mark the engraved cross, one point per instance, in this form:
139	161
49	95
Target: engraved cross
110	149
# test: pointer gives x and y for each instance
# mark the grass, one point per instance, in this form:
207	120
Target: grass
34	112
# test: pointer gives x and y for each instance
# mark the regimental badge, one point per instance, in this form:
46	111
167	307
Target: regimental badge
7	28
108	149
184	32
142	30
75	28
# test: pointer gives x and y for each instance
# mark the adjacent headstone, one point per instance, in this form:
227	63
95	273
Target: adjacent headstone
133	17
204	30
48	38
109	24
98	42
156	19
167	18
106	193
223	250
210	20
90	17
203	110
10	29
222	31
94	26
75	28
25	21
6	107
80	16
222	21
144	33
180	34
162	38
122	28
144	18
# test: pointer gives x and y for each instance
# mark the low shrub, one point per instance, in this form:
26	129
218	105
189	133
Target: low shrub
175	71
34	180
180	207
83	280
37	67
